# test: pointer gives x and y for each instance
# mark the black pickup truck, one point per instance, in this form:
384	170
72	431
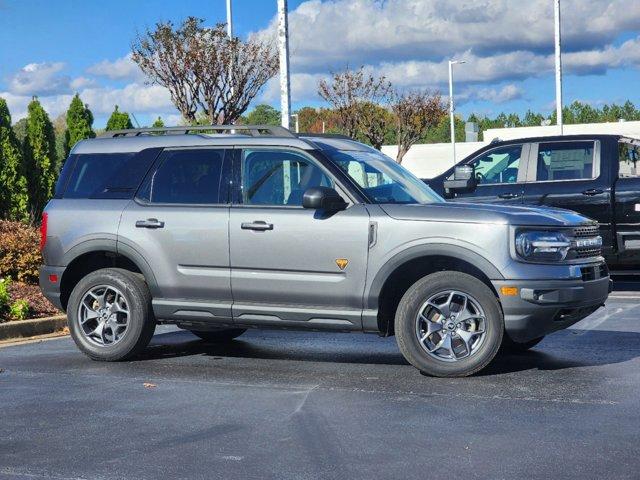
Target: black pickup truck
595	175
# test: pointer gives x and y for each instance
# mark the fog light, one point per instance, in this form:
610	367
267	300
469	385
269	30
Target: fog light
509	291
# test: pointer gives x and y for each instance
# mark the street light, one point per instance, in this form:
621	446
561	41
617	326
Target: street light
452	108
297	117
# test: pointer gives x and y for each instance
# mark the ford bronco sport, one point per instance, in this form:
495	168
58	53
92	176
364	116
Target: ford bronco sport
222	228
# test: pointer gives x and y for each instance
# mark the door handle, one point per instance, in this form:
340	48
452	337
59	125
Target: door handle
257	225
150	223
593	191
508	195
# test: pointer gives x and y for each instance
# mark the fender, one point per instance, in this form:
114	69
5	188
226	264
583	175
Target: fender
372	293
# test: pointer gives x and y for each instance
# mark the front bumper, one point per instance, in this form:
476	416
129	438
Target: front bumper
545	306
51	289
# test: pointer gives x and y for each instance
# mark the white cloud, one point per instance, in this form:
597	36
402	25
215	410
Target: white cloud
502	95
123	68
39	79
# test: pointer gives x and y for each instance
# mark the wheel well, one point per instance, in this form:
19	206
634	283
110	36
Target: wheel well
409	273
89	262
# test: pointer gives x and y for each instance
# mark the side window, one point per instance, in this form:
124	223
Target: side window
565	161
499	165
629	157
278	177
190	176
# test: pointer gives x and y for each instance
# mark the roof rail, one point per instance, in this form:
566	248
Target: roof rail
253	130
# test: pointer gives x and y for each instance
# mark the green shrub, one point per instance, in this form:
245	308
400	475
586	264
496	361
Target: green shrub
20	256
19	310
5	298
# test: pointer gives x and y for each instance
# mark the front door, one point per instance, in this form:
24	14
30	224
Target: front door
179	224
500	175
567	174
292	266
627	204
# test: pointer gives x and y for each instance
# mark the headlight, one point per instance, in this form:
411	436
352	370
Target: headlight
540	246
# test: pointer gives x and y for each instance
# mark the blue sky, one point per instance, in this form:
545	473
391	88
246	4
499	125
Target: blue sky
60	47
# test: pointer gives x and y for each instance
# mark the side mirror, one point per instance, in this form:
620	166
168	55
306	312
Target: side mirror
323	198
464	180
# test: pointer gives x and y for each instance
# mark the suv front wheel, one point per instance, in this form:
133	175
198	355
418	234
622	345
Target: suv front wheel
110	315
449	324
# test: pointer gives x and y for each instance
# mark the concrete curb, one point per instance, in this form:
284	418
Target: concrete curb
31	328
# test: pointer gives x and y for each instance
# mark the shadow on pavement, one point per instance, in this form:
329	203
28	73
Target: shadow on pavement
567	349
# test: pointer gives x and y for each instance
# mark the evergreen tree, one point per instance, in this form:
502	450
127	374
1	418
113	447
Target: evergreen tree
263	114
119	120
14	200
158	123
39	157
79	124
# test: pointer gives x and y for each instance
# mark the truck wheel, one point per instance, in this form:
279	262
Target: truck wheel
219	336
110	315
509	346
449	324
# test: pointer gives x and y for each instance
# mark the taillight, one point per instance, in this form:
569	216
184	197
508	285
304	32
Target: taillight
43	230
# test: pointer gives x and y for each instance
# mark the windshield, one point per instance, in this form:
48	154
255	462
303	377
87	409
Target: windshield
381	179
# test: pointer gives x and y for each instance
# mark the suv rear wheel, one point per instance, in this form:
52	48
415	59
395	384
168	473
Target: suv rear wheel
449	324
219	336
110	315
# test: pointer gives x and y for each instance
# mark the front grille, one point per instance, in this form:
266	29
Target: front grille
589	251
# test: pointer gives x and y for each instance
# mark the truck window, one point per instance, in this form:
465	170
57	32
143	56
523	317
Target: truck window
565	161
629	157
499	165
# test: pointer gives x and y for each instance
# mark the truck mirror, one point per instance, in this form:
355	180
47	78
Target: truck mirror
463	180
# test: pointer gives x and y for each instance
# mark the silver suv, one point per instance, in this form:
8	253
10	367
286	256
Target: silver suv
221	228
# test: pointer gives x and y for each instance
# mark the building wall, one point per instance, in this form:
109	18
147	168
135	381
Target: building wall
631	129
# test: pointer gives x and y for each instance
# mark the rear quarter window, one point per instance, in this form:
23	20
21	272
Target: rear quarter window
104	175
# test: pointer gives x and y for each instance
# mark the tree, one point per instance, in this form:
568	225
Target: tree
14	199
79	124
354	96
158	123
39	157
60	132
415	113
204	69
119	120
263	115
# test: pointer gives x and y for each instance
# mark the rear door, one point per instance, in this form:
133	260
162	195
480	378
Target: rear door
568	174
179	224
500	173
627	202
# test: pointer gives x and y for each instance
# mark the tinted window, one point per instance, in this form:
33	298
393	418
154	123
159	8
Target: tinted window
629	156
99	175
499	165
278	177
191	176
565	161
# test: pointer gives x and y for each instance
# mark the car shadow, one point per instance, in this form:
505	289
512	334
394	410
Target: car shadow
572	348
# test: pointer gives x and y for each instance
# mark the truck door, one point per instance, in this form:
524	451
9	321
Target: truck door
568	174
500	174
627	202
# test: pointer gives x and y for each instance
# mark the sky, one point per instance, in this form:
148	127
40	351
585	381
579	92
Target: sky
54	49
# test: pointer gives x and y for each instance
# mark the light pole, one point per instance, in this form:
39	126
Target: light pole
297	117
556	11
283	47
452	108
229	20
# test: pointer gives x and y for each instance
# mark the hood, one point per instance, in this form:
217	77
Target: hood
487	213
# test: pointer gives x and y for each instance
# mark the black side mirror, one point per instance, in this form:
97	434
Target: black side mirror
323	198
464	180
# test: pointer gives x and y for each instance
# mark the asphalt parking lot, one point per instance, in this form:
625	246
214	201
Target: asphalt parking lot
293	405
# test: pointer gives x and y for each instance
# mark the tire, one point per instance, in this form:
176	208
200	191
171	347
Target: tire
111	343
463	358
509	346
219	336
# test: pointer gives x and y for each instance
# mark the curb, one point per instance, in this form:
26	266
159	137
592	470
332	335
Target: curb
31	328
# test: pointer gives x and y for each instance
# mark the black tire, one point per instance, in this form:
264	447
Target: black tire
407	312
141	322
219	336
509	346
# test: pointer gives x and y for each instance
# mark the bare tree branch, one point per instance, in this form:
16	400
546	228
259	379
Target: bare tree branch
205	70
